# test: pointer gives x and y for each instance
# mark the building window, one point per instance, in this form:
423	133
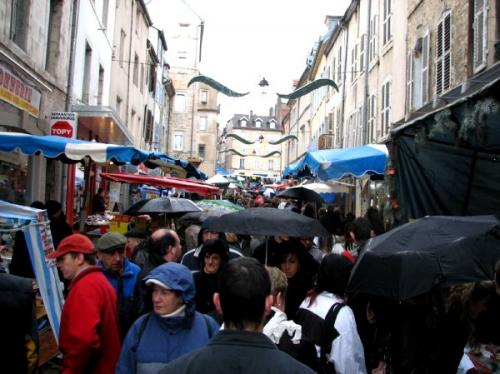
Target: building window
204	96
135	77
180	103
372	117
386	107
362	49
243	122
86	74
339	68
122	47
100	88
201	150
272	125
178	141
372	47
479	26
270	164
443	54
105	11
19	17
258	123
354	63
141	85
53	35
119	106
387	22
203	123
417	74
242	163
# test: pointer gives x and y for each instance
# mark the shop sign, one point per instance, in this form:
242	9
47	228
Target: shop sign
63	124
16	92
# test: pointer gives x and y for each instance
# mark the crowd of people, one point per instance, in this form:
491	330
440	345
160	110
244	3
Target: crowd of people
190	300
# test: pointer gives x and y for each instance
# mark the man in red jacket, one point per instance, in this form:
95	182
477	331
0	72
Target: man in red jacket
88	337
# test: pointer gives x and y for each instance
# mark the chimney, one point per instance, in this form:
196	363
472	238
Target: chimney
251	115
271	112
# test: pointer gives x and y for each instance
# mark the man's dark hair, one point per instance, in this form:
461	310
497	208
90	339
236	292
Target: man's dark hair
160	246
361	228
244	285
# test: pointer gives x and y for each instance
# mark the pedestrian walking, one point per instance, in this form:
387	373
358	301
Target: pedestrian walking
244	299
172	329
89	338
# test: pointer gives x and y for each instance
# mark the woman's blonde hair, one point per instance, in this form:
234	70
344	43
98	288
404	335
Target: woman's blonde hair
279	283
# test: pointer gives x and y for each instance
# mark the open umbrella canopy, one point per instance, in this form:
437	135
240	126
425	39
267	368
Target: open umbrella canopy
303	194
197	218
433	251
220	205
163	205
218	180
268	221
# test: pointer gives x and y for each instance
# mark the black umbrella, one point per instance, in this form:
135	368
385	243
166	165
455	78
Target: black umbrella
412	259
197	218
268	221
163	205
302	194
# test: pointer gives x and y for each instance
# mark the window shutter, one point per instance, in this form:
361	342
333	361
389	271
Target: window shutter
425	68
409	82
480	34
439	58
362	54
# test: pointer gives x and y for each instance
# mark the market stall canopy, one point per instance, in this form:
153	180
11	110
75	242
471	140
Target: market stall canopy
328	164
220	170
70	150
201	188
328	187
180	168
218	179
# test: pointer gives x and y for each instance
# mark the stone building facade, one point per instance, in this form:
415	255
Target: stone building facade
35	54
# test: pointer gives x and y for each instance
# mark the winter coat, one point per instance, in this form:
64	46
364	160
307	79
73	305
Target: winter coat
235	351
17	311
89	337
154	340
124	286
206	286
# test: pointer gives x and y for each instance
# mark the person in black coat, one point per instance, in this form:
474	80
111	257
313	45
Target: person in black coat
214	254
58	225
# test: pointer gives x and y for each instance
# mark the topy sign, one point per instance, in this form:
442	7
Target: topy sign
63	124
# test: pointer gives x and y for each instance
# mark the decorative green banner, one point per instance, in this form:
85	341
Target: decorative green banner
233	151
283	139
271	154
216	85
309	87
239	138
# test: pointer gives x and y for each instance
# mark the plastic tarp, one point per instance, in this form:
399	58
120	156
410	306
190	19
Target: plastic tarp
220	170
188	185
39	242
70	150
328	164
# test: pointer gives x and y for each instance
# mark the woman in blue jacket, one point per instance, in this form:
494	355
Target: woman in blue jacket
172	329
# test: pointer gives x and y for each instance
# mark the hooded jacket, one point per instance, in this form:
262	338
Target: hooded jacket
153	340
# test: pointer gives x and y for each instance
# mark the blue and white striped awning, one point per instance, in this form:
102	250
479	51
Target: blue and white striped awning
70	150
334	164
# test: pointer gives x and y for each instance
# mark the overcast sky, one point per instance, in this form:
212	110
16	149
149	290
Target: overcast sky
246	40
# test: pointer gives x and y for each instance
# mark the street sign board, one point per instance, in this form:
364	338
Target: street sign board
63	124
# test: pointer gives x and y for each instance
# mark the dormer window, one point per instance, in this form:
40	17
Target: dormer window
272	125
258	123
243	122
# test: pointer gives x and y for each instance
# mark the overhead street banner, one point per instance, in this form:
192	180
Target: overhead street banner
18	93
